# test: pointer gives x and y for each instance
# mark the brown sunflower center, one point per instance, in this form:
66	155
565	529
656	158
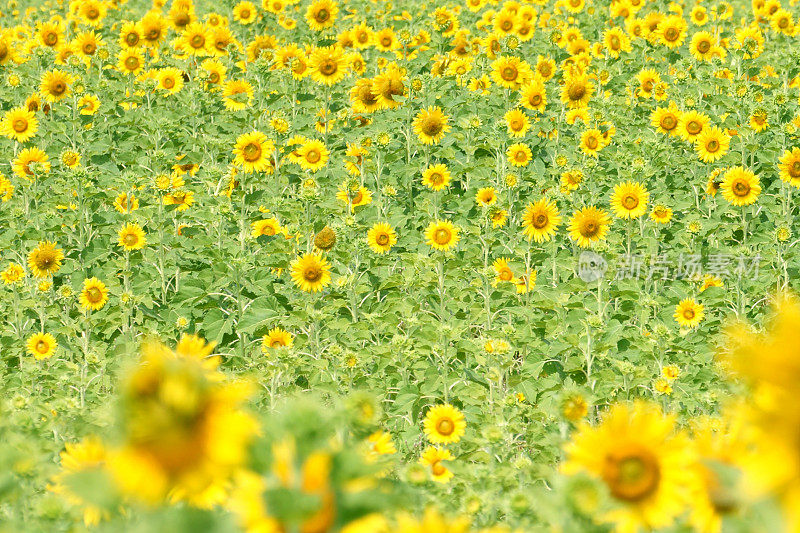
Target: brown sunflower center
703	46
590	228
630	201
251	152
312	273
671	34
509	73
794	169
213	77
668	122
688	313
197	41
20	125
50	38
93	294
322	15
592	143
92	13
431	125
132	39
168	83
631	472
132	63
328	67
245	14
741	188
576	91
153	34
442	236
313	156
89	48
130	239
182	19
42	347
615	42
382	239
693	127
445	427
506	274
58	87
540	221
712	145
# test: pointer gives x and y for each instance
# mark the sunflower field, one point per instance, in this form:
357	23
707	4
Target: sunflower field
444	266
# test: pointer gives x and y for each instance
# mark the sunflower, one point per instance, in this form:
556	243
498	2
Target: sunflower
93	11
502	270
588	225
174	405
245	13
363	98
237	94
130	61
277	338
661	214
510	72
89	104
42	345
51	34
519	155
702	46
94	294
486	196
540	220
430	125
327	65
740	186
432	458
444	424
267	226
20	124
45	259
130	35
712	144
169	80
70	159
592	142
131	237
388	86
253	151
671	31
616	41
691	124
577	91
194	40
533	95
441	235
12	274
643	463
216	71
689	313
381	237
313	155
436	177
311	272
525	283
355	197
321	14
629	200
517	123
182	199
221	39
789	167
153	29
55	85
666	119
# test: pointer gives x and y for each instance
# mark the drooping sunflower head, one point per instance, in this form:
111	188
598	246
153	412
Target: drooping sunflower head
45	259
325	239
444	424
